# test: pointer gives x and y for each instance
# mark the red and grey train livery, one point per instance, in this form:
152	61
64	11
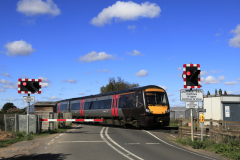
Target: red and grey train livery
146	106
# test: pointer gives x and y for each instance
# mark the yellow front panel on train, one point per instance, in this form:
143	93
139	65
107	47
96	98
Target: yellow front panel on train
158	109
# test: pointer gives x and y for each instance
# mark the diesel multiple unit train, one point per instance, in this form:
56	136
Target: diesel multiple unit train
146	106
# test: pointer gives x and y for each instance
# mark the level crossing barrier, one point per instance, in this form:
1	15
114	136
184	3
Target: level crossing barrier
72	120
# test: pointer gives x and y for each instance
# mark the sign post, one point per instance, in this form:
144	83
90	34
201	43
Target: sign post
202	122
191	79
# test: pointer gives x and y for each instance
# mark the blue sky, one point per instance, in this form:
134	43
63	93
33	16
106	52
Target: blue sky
76	46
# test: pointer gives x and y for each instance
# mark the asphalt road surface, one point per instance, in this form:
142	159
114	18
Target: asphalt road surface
91	142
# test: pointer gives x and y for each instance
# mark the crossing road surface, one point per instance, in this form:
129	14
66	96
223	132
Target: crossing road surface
88	142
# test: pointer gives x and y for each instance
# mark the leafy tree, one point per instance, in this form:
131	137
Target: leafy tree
7	106
225	93
215	91
220	91
117	86
208	93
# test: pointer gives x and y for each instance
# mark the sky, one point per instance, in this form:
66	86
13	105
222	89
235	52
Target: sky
76	46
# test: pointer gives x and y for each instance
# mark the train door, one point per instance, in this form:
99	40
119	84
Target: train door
114	106
81	107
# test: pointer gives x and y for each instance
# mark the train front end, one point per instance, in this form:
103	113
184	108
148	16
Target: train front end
157	107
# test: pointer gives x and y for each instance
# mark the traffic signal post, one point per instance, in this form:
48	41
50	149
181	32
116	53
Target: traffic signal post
27	86
191	79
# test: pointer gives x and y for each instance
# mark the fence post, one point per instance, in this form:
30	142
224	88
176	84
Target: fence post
220	131
5	121
211	129
180	129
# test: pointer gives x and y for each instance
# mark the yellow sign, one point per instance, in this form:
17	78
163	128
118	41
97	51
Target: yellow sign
201	118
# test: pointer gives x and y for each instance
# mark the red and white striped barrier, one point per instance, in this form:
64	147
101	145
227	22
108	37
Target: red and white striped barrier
72	120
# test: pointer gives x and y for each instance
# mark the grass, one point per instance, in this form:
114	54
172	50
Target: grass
21	136
230	149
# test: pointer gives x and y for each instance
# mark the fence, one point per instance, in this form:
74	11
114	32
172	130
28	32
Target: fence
217	132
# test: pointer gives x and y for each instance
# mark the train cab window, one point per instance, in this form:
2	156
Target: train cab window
63	107
130	102
107	103
136	100
156	98
75	106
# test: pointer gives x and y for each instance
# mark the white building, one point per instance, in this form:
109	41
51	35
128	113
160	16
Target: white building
224	107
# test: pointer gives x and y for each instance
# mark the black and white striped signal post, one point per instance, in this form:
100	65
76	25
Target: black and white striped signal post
28	86
191	80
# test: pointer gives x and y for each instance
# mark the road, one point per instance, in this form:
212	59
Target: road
88	142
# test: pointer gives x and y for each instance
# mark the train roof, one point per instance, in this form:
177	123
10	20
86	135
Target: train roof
115	92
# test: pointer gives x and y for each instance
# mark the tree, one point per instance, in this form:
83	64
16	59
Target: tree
117	86
220	91
215	92
208	93
225	93
7	106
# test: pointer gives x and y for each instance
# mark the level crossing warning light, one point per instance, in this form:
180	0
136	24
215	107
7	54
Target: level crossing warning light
202	118
29	86
191	76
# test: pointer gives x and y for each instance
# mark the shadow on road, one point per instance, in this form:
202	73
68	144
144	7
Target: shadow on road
46	156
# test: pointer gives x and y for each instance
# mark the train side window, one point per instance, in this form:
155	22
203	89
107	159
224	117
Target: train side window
87	105
101	105
75	106
122	102
95	105
130	102
107	104
63	107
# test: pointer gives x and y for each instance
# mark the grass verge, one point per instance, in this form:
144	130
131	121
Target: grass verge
21	136
229	149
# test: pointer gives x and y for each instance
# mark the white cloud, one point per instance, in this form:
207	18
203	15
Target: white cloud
141	73
213	71
11	99
69	80
36	7
135	53
203	73
238	79
217	34
45	82
19	48
54	98
235	41
221	78
164	87
97	71
94	56
179	68
172	99
11	86
106	71
133	27
209	80
81	94
87	72
230	83
2	90
126	11
5	74
170	94
3	81
229	92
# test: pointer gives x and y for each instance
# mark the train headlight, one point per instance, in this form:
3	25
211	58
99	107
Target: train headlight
147	110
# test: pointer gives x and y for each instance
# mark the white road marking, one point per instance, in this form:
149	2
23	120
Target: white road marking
120	146
152	143
101	134
78	141
175	146
172	136
131	143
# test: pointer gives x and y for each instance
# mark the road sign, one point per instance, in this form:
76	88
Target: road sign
202	118
191	95
28	99
191	104
191	76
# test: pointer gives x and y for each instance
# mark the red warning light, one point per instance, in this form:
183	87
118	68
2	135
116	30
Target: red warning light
24	83
188	73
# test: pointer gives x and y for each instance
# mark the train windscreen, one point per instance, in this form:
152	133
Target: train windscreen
156	98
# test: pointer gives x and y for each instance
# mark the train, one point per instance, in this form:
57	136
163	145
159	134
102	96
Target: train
146	106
